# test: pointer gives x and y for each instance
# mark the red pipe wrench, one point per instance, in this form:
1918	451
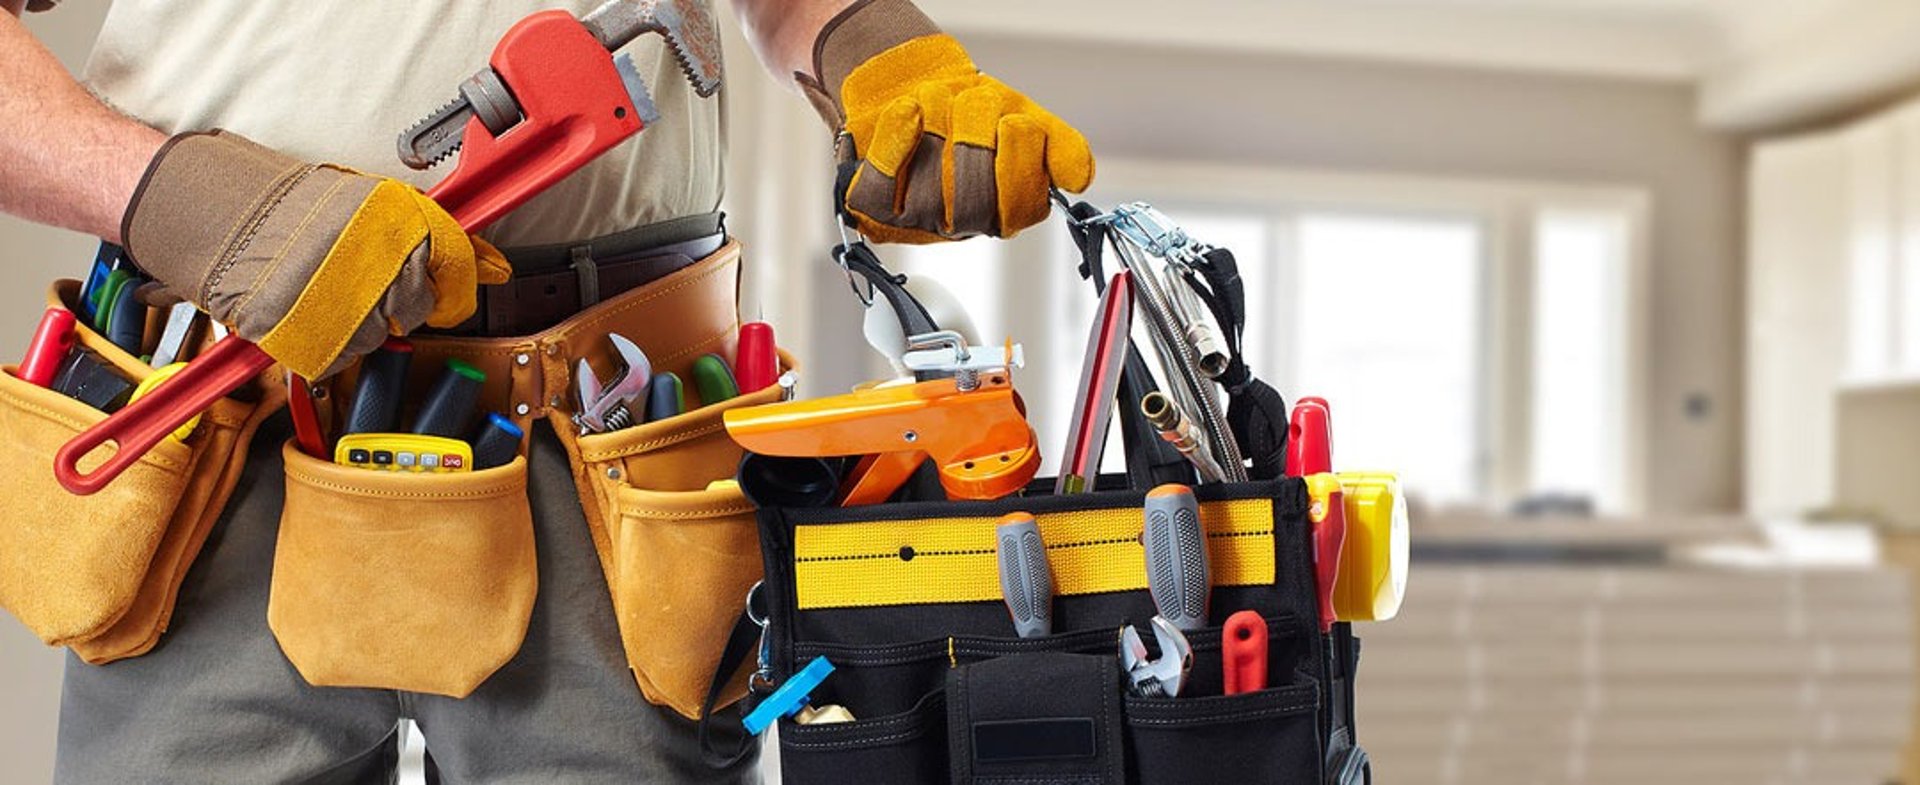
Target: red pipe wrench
553	99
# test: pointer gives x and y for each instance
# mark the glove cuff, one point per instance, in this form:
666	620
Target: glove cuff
191	204
851	38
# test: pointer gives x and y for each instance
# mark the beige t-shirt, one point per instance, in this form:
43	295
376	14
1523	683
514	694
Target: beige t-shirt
339	81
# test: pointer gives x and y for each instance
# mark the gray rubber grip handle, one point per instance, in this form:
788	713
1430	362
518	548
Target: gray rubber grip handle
1025	579
1177	557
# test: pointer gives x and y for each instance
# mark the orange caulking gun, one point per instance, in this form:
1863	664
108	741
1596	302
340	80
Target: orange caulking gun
972	425
552	99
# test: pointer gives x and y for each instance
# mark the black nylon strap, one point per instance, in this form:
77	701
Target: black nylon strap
740	646
859	258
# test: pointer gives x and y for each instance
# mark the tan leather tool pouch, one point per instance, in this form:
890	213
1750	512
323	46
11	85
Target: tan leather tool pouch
678	558
425	582
100	573
398	580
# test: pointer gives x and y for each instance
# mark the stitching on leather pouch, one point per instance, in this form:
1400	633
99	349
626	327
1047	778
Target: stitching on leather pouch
663	515
484	493
650	445
64	421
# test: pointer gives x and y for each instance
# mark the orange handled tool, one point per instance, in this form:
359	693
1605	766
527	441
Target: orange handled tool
553	100
979	438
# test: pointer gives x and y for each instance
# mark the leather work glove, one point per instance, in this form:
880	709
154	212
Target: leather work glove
944	152
316	263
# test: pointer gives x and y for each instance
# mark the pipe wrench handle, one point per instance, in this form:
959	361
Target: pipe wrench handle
140	425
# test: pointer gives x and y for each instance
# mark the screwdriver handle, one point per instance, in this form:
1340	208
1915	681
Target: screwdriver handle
1026	581
1177	575
381	388
1243	652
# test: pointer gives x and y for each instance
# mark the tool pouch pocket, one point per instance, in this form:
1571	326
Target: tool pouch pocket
904	599
100	573
397	580
679	557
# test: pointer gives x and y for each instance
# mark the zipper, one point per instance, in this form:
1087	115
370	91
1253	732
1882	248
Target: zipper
231	254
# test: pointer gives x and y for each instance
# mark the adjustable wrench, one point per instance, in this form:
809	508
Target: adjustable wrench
551	100
610	407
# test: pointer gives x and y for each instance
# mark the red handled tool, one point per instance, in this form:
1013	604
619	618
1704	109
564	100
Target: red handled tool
1099	383
1310	455
1309	439
551	101
1243	652
756	364
51	342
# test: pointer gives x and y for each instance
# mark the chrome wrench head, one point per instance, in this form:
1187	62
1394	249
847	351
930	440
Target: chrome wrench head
605	407
1156	678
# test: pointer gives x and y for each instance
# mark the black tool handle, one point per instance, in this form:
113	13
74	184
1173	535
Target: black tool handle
450	405
382	386
496	442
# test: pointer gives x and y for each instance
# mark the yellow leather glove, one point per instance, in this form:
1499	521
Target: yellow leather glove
316	263
943	151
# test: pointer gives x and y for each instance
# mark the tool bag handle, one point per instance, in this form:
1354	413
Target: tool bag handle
858	258
740	645
1256	412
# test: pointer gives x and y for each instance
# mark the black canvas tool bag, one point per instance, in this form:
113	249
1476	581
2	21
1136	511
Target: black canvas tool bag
904	599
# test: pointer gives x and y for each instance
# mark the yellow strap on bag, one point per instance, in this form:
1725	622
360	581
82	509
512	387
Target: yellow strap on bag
951	560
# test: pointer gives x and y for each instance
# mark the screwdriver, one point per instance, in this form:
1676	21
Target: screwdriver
1026	581
665	399
449	408
382	384
756	362
712	380
1176	547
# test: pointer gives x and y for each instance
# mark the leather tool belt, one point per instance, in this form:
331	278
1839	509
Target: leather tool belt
425	582
553	282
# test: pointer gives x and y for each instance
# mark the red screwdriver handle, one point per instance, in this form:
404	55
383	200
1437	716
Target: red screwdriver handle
574	105
140	425
1243	652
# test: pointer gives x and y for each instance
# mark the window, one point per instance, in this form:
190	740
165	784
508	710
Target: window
1579	371
1389	333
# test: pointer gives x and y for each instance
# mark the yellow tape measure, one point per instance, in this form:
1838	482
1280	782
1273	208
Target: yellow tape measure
1373	566
152	381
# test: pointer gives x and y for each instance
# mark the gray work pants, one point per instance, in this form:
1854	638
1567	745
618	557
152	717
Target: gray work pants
216	701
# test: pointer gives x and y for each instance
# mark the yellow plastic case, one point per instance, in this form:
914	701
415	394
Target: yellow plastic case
1373	566
403	452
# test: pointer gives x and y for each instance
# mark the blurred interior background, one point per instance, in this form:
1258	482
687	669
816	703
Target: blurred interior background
1628	291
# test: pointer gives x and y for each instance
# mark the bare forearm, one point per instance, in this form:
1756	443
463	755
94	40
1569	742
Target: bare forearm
66	159
783	31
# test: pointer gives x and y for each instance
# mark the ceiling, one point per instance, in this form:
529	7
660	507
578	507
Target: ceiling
1758	62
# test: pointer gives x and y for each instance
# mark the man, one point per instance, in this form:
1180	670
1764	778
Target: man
320	263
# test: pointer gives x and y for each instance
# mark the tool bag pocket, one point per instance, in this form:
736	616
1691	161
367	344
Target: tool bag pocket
904	599
421	582
680	553
99	573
